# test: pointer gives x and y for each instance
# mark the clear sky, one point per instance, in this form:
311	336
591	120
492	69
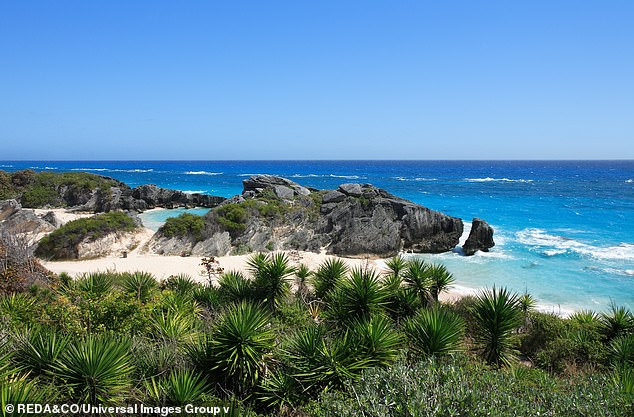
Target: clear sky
316	79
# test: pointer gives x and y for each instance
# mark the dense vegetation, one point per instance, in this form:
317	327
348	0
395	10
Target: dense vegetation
63	242
186	224
339	342
40	189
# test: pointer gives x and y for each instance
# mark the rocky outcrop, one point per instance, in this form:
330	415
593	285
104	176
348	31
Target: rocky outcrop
480	238
145	197
16	220
275	213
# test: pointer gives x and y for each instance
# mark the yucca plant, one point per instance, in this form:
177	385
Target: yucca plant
180	387
622	350
17	306
234	287
37	350
588	317
182	284
181	303
271	277
376	340
402	302
141	284
96	370
20	389
174	327
95	284
358	297
327	275
440	279
497	315
319	362
280	391
396	265
240	341
153	358
526	303
435	332
302	273
207	296
619	321
418	280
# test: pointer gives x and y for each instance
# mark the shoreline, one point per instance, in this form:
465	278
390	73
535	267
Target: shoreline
162	266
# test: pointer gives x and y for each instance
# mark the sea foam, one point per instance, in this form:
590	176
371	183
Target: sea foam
553	245
202	173
489	179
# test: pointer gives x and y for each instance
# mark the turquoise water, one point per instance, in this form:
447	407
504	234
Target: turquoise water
564	230
153	219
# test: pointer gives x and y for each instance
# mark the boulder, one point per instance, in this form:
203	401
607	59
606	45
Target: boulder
333	197
480	237
351	189
257	183
8	208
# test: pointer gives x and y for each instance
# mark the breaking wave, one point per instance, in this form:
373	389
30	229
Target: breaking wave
489	179
111	170
202	173
553	245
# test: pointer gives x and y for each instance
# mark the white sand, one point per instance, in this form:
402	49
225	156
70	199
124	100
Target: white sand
163	266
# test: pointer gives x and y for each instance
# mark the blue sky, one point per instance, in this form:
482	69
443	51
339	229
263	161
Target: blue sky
317	80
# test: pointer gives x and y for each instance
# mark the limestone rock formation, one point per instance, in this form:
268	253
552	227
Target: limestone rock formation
354	220
480	237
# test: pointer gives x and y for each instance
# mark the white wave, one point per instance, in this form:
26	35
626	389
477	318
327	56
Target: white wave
415	179
110	170
202	173
349	177
49	168
194	191
6	166
629	181
251	175
489	179
552	245
90	169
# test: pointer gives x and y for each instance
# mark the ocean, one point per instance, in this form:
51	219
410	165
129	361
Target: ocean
564	230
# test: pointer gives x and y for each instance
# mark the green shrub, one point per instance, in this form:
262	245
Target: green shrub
185	225
456	388
63	242
232	216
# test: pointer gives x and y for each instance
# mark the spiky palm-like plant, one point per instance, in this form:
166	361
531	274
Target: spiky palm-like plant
95	284
396	265
376	340
622	350
440	279
320	362
141	284
180	387
586	317
326	277
619	321
358	297
418	279
271	277
20	389
181	284
18	306
96	369
174	327
234	287
239	344
302	273
526	303
435	332
497	315
38	349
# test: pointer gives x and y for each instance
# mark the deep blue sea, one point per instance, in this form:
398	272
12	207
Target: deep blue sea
564	230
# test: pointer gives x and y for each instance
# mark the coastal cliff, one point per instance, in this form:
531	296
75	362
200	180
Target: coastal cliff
90	192
274	213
